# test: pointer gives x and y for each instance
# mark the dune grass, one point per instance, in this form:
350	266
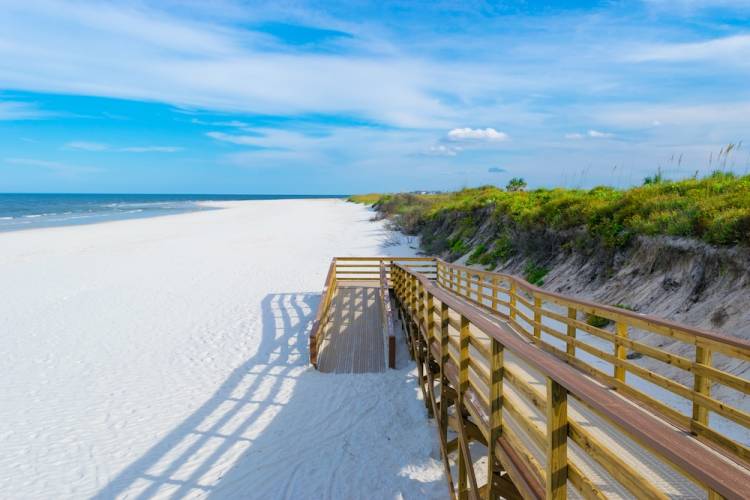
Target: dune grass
715	209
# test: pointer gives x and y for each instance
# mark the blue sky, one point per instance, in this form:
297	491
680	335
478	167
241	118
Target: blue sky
320	97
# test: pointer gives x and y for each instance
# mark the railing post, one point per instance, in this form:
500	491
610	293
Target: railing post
451	273
444	325
463	385
512	299
701	384
494	292
430	319
537	316
557	441
420	308
496	414
571	332
621	331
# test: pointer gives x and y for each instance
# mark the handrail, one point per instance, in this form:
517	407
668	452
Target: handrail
357	269
321	315
416	294
708	335
529	310
389	331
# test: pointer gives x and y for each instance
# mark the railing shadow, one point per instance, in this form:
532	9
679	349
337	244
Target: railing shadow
186	460
277	428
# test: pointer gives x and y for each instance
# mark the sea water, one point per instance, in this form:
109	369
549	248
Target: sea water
28	211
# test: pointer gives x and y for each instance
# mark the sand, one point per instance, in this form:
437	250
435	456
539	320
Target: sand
167	357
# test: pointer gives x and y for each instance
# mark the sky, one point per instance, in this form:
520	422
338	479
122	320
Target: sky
349	97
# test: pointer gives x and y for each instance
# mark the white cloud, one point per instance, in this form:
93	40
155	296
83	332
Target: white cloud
87	146
442	150
244	140
100	146
15	110
151	149
735	48
598	134
476	134
594	134
59	167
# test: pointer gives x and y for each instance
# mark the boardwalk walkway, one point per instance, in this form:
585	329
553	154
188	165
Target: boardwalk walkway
353	338
516	374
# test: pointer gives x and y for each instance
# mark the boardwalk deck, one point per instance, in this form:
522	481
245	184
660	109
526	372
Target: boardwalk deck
353	338
639	459
552	427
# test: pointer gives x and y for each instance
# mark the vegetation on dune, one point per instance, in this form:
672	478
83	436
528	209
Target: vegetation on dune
715	209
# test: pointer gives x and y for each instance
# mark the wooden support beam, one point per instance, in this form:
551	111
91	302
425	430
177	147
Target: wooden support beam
701	384
621	330
444	448
464	462
537	316
557	441
496	416
471	490
571	332
444	323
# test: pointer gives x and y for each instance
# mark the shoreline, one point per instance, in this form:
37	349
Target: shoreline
23	212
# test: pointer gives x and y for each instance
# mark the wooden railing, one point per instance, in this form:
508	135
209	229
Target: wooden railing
368	268
321	315
343	270
612	344
465	349
389	329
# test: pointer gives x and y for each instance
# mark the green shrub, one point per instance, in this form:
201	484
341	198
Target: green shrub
477	254
459	246
597	321
715	209
534	274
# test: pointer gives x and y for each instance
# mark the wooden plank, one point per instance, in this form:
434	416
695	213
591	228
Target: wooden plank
556	484
620	352
657	436
701	385
496	415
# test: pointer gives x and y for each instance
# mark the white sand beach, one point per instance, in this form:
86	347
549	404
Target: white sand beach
167	357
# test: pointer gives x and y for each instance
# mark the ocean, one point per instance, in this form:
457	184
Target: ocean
29	211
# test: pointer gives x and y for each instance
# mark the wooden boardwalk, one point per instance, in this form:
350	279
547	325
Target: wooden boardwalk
517	375
353	338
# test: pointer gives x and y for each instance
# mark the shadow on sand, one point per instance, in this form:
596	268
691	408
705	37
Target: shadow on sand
276	428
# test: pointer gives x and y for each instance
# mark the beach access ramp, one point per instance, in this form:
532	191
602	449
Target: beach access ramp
532	400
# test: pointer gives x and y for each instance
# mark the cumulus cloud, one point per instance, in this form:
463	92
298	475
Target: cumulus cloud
476	134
